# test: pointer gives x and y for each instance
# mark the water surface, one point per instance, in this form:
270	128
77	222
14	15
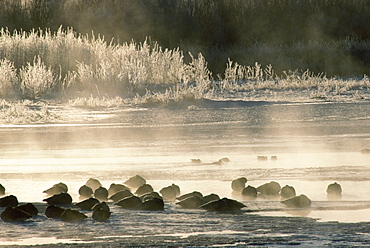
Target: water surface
315	143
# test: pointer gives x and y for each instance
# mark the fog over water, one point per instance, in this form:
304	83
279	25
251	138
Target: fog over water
316	144
270	129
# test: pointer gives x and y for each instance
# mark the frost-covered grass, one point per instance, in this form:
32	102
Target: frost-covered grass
92	101
246	78
38	64
88	71
23	112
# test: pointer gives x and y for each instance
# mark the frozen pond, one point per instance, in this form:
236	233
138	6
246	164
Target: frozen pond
315	143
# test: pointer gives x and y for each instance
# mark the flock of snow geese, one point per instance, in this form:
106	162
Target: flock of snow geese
137	194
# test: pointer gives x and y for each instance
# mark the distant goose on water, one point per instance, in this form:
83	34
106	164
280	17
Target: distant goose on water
114	188
101	214
9	201
170	192
287	192
270	189
62	198
101	194
14	214
365	151
184	196
191	202
238	184
73	216
120	195
211	197
129	202
224	204
135	182
152	204
93	183
54	212
334	191
2	190
301	201
28	208
87	204
143	189
101	205
57	189
85	191
249	193
150	195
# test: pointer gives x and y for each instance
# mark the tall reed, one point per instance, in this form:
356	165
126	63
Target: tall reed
9	83
43	64
46	62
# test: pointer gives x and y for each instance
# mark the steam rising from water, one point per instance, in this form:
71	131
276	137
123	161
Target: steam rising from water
159	142
315	145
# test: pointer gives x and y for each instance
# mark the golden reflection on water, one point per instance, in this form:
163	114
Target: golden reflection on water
349	216
344	216
40	241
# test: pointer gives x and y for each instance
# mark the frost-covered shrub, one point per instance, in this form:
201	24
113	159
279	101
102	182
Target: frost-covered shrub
36	79
58	50
9	84
133	68
91	65
198	72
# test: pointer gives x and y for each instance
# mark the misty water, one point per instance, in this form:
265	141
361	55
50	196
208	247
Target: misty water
316	143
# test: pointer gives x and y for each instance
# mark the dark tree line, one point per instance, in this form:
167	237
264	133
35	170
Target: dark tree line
211	22
199	25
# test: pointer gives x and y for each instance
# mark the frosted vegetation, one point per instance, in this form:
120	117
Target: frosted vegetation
85	70
44	64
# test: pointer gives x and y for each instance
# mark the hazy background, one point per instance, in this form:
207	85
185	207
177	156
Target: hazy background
328	36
